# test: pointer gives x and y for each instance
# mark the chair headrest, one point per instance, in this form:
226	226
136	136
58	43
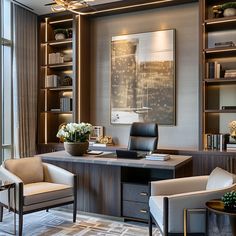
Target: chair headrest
144	129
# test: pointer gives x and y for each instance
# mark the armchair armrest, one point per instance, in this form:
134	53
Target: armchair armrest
179	185
5	175
57	175
177	203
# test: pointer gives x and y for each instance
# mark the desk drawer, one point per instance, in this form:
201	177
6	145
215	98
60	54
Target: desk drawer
135	210
135	192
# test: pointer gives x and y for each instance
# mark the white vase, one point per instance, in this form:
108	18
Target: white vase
230	12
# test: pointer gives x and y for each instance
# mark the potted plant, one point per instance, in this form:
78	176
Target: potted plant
75	137
60	34
229	8
229	200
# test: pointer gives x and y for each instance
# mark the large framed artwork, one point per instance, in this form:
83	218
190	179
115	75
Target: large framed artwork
143	78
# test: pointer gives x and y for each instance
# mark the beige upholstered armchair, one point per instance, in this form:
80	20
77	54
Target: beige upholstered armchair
38	186
169	198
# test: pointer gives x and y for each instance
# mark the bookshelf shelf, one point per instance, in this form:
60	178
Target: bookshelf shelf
220	81
216	24
58	112
221	111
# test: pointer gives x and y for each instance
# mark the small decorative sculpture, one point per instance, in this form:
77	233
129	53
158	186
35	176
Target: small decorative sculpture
217	11
105	140
232	128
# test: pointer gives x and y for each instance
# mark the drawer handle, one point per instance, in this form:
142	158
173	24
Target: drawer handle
143	211
143	194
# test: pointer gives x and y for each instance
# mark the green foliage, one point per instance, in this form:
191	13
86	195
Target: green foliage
229	199
228	5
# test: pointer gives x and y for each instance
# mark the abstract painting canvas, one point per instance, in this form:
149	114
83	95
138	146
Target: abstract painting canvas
143	78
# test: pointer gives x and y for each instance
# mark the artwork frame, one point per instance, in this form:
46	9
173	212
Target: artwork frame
142	87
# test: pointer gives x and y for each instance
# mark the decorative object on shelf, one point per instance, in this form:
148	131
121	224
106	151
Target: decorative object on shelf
217	11
232	128
75	137
105	140
225	44
69	33
60	34
66	81
229	200
229	9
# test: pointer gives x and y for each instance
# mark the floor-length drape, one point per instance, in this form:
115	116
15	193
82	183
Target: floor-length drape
24	81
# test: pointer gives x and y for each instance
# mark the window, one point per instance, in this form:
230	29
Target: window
6	137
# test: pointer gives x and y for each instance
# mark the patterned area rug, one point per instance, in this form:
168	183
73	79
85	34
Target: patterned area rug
57	223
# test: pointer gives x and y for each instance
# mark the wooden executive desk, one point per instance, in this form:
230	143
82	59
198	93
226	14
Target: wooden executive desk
117	187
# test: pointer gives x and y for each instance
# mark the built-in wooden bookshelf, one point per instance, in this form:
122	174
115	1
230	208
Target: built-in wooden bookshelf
217	89
61	95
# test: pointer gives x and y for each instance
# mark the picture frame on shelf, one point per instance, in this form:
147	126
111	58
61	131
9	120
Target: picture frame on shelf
143	78
97	132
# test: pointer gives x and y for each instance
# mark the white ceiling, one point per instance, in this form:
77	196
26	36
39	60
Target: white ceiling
39	8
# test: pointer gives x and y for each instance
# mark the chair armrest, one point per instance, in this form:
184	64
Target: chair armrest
55	174
194	200
179	185
5	175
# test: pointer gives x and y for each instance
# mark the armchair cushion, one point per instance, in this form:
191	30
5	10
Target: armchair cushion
219	178
29	170
44	191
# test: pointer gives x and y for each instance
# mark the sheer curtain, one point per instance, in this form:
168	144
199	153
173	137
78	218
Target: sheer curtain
24	81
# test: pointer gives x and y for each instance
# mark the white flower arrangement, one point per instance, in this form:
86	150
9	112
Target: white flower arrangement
75	132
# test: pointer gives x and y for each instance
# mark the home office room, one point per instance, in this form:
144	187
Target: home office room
118	117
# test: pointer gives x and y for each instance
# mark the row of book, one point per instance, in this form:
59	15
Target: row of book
214	71
66	104
216	141
51	81
55	58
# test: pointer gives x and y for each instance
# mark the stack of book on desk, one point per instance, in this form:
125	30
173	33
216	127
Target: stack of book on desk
158	157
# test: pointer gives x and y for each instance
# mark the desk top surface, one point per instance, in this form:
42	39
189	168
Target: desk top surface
108	158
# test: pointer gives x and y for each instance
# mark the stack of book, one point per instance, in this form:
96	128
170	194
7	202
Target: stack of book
231	147
158	157
216	141
230	73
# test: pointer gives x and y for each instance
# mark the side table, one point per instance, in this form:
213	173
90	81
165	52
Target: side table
7	186
217	207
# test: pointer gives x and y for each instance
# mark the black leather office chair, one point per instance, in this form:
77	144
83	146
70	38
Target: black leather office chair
143	136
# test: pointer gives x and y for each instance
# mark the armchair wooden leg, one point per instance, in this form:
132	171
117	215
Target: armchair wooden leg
1	213
150	224
74	211
75	199
20	223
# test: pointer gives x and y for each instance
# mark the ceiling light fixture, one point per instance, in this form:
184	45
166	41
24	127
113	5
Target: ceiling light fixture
68	5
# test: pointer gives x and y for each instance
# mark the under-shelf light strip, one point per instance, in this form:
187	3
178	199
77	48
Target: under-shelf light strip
58	43
45	75
220	21
120	8
60	21
222	50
